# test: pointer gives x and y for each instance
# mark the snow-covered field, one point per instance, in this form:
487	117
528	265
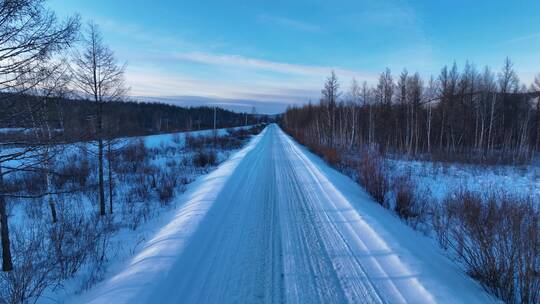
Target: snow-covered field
441	179
275	224
156	141
139	210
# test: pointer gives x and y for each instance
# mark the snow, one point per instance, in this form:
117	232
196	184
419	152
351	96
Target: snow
275	224
22	130
12	130
155	141
125	241
441	179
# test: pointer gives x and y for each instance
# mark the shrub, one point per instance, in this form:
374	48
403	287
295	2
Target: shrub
205	158
228	142
134	212
330	155
98	237
372	174
410	204
71	238
141	192
245	133
33	270
32	182
165	187
134	153
242	134
75	170
26	182
196	142
497	237
254	130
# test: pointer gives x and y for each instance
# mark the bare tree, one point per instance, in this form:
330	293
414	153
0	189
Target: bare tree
329	99
384	94
402	117
535	86
508	79
353	96
99	77
414	98
30	36
385	88
366	102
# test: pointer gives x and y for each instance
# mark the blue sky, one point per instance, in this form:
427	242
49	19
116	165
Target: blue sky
281	51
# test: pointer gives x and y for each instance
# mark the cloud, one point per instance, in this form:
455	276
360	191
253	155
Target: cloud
146	81
269	98
234	77
290	23
238	105
526	38
273	66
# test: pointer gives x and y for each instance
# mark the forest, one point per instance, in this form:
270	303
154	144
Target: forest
469	115
75	119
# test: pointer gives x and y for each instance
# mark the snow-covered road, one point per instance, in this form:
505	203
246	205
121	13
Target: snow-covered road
276	225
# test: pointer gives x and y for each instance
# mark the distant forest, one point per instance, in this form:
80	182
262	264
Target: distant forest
76	119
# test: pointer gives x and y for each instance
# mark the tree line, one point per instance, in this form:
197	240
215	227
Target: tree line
74	119
469	113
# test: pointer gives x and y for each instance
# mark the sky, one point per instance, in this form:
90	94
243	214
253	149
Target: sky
272	53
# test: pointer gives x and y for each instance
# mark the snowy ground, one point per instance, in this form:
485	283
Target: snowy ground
441	179
156	141
275	224
133	227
